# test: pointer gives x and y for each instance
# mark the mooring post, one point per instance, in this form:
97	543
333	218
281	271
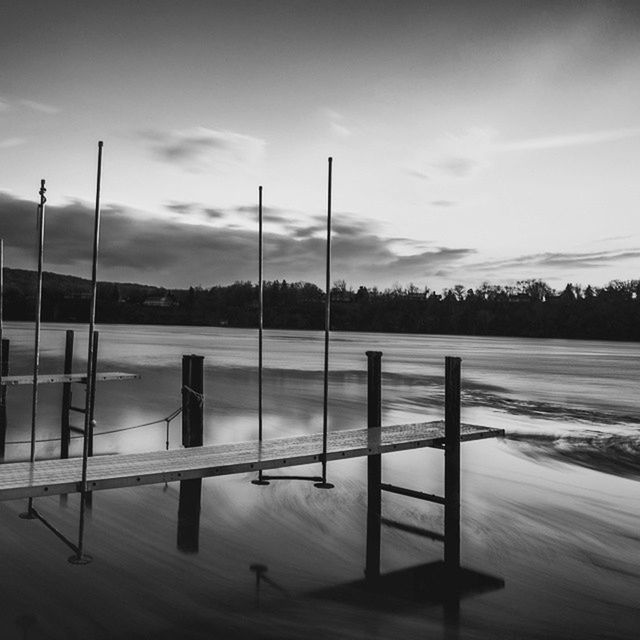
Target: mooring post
374	465
192	436
65	428
192	400
3	397
91	390
452	466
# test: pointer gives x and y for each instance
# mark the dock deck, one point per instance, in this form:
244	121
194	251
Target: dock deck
57	378
52	477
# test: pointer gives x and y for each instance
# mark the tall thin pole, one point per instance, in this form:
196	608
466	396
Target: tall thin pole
79	557
3	424
260	479
36	349
327	325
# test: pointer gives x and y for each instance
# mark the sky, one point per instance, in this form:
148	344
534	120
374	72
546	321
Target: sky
471	141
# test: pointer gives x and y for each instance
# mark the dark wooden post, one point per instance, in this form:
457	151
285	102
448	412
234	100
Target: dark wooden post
192	436
374	465
91	390
3	397
192	400
65	428
452	465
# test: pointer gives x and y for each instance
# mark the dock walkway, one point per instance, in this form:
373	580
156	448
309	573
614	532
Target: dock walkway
52	477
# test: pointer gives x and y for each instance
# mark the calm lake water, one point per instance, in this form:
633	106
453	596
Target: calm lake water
553	509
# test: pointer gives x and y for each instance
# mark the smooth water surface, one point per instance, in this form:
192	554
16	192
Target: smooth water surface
553	510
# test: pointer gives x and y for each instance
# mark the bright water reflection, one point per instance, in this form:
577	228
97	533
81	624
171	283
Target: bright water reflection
554	510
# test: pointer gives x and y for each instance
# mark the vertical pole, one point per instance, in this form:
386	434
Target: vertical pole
452	466
192	400
192	436
36	349
91	390
327	326
374	465
79	557
3	396
3	413
260	480
65	429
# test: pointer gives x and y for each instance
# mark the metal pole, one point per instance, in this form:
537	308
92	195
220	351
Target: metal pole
65	428
327	325
36	350
260	480
79	557
3	420
374	465
452	467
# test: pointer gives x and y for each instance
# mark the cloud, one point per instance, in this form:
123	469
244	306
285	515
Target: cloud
459	156
570	140
214	214
583	260
270	214
183	208
4	105
174	254
12	142
442	203
200	148
337	123
40	107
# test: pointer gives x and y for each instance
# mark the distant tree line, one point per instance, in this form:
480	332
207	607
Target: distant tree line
531	308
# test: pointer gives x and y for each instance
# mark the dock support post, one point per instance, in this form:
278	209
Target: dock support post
3	397
65	428
192	400
91	390
452	466
374	466
192	436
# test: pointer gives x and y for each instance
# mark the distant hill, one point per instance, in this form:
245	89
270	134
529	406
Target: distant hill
528	309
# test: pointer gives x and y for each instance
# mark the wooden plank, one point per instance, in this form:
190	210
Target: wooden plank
51	477
12	381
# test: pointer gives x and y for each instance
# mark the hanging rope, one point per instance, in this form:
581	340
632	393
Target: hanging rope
199	396
168	419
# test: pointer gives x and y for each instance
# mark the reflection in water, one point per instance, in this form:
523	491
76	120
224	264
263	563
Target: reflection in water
189	515
563	537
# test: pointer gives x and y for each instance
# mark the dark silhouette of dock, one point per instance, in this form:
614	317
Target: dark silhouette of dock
62	476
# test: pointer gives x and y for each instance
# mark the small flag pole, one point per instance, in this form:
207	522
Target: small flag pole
327	326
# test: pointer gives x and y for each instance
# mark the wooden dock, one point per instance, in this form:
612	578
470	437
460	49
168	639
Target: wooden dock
52	477
57	378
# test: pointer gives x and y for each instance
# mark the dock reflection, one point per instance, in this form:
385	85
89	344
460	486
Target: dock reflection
189	515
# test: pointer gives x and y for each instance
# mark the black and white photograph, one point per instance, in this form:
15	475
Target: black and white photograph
320	319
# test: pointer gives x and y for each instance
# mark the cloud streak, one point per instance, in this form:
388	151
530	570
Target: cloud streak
570	140
200	148
40	107
582	260
171	253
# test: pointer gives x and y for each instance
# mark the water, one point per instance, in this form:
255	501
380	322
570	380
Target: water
553	510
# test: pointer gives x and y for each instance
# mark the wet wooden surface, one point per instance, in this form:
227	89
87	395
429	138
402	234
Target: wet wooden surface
51	477
54	378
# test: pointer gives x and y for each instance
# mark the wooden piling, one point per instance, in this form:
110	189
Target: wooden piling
3	397
192	400
374	466
192	436
91	390
65	427
452	465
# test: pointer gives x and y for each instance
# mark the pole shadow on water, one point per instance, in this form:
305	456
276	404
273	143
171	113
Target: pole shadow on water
445	582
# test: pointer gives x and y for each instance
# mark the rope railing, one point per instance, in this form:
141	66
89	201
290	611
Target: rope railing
167	420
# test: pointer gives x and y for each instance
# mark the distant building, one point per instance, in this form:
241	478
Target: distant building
159	301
